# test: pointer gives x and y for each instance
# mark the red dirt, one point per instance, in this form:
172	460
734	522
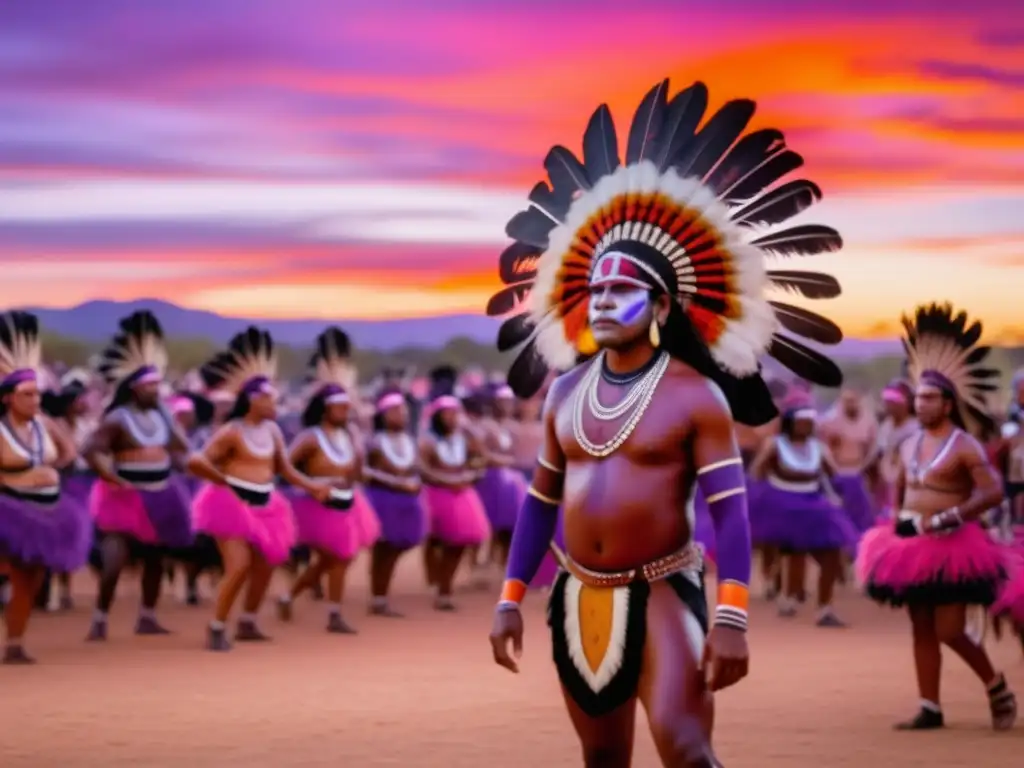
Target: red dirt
424	693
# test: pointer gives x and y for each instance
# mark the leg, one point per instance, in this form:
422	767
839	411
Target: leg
950	626
309	577
431	560
502	542
26	582
928	666
447	567
336	569
606	742
153	573
795	565
114	556
192	571
673	691
771	572
830	565
383	560
66	601
260	574
237	565
42	601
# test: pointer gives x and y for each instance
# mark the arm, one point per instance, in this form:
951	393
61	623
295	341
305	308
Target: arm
432	471
535	526
721	480
763	460
178	446
62	441
204	463
986	493
300	451
284	467
99	449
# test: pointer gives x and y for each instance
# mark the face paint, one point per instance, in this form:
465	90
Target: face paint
622	304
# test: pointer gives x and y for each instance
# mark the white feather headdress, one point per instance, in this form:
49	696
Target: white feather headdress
249	355
139	344
20	346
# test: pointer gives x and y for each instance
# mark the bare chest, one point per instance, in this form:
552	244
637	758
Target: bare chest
932	464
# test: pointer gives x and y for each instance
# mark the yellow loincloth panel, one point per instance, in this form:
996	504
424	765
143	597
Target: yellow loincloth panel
596	620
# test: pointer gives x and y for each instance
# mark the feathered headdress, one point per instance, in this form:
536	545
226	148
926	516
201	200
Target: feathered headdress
136	353
248	365
21	353
443	388
331	363
942	350
684	213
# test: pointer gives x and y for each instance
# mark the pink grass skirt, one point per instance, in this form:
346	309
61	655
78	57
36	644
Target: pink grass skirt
153	517
455	517
218	512
964	567
342	533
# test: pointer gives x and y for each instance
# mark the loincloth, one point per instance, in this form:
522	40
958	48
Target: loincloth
599	625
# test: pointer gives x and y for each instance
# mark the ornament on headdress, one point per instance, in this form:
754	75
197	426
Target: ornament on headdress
21	352
943	352
685	214
136	354
249	364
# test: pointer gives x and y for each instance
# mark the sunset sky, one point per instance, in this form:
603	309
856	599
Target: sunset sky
317	158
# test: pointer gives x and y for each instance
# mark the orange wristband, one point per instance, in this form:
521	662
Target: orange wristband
734	595
513	591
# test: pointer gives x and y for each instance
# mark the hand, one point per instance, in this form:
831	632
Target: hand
726	657
908	527
411	484
507	627
321	492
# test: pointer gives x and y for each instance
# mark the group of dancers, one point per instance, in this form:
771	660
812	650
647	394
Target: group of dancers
207	480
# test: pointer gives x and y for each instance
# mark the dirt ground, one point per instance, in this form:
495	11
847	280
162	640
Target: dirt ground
423	692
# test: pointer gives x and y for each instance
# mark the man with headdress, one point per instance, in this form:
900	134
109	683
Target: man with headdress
139	502
240	506
935	558
336	530
648	274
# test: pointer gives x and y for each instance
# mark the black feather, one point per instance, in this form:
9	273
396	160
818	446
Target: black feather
600	144
745	156
528	372
508	298
518	262
805	362
567	174
531	227
807	324
333	343
766	173
810	285
977	355
647	123
542	197
682	116
514	332
972	335
805	240
698	157
779	204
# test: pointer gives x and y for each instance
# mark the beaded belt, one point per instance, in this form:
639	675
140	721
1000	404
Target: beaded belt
689	558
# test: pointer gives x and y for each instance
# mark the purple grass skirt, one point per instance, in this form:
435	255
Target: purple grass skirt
57	536
78	486
964	567
403	519
456	517
219	513
857	502
502	491
160	517
342	533
800	522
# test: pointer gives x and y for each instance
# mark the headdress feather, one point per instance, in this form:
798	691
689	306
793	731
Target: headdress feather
700	196
140	343
331	363
250	354
20	346
938	339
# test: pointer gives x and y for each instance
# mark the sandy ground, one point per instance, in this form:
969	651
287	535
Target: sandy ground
423	692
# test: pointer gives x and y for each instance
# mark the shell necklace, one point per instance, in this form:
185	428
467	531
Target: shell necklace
148	428
258	440
337	446
400	455
451	450
915	471
806	461
638	399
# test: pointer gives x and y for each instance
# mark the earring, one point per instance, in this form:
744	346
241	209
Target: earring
654	333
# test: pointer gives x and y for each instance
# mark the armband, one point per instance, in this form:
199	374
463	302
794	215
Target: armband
512	593
724	486
733	605
535	528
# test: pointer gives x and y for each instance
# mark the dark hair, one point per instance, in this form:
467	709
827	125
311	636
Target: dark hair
240	408
122	396
314	411
436	425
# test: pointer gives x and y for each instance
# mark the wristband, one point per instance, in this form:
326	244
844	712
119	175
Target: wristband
946	521
733	604
513	591
505	606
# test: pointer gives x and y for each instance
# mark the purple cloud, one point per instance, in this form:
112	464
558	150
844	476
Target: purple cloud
952	70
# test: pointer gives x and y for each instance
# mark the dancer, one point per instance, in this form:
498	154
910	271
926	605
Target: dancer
337	530
797	512
40	528
851	434
675	287
393	486
899	424
456	517
936	559
502	489
239	507
140	504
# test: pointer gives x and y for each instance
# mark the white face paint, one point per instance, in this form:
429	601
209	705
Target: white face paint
620	303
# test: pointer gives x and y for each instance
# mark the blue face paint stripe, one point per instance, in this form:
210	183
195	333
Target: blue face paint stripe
634	310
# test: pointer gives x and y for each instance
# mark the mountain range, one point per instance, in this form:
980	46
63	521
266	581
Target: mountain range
94	321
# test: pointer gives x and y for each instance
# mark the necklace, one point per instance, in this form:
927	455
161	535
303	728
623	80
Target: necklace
804	460
258	439
35	449
915	462
642	381
451	450
402	455
147	429
641	396
336	445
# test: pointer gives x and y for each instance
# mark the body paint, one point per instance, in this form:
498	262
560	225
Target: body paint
622	306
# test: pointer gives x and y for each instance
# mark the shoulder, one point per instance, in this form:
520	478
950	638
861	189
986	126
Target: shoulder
702	396
970	448
563	385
